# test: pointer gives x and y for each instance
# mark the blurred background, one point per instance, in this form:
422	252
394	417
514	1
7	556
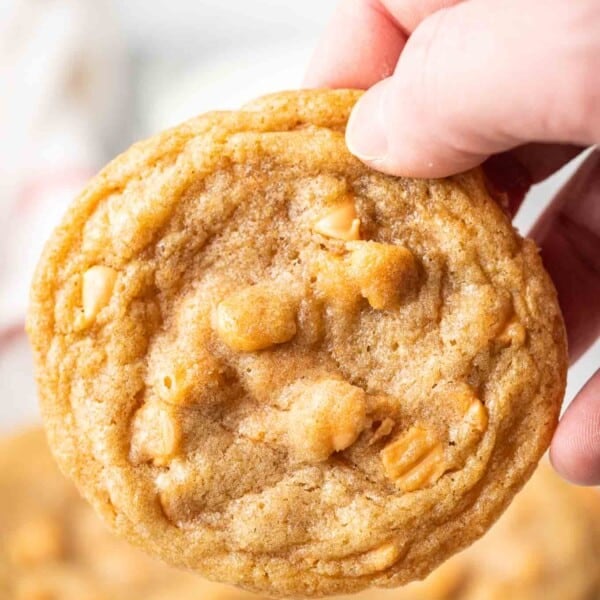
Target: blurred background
80	80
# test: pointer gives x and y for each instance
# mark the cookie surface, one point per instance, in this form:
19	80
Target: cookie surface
262	360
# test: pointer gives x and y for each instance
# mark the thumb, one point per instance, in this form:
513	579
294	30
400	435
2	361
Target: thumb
575	450
480	78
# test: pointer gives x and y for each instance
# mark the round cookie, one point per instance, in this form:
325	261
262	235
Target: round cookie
260	359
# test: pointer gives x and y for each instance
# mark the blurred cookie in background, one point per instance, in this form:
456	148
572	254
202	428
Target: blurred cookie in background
546	546
53	547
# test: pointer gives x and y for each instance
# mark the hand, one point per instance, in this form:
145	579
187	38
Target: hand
452	83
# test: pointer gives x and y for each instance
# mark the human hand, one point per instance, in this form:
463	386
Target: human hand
453	83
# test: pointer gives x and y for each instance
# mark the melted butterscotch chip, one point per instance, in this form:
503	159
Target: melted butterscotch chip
380	558
198	380
181	491
97	286
476	417
383	272
367	563
342	223
155	435
472	414
414	460
256	318
326	416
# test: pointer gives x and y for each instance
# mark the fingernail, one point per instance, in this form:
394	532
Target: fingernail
365	134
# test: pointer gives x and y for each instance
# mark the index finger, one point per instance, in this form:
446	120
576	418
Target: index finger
364	39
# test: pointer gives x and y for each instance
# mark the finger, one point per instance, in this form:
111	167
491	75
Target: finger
575	449
568	234
363	41
480	78
360	46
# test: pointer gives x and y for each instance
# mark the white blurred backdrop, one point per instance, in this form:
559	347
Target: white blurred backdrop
82	79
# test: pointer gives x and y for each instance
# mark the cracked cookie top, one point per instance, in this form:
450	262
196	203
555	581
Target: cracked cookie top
262	360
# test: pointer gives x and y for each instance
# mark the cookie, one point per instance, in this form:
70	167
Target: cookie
53	546
262	360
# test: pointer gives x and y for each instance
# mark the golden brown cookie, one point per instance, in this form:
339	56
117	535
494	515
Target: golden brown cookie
260	359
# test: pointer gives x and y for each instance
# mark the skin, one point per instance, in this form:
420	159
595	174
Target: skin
452	83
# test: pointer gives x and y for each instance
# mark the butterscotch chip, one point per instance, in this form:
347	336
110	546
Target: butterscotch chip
172	385
326	416
384	272
332	281
415	460
256	318
476	416
211	229
381	273
342	223
155	435
473	415
97	286
383	429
